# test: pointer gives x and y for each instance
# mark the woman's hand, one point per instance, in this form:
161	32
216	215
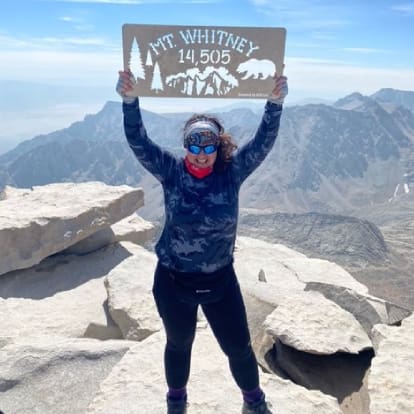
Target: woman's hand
125	86
280	90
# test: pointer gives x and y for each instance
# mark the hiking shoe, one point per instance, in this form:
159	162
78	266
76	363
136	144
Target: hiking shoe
260	407
177	406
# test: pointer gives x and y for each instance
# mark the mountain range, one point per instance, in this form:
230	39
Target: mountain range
212	81
344	158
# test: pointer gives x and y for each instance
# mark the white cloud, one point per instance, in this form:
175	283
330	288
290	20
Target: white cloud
137	2
329	79
64	68
12	43
405	8
260	2
48	43
106	1
66	19
78	41
78	23
298	14
365	50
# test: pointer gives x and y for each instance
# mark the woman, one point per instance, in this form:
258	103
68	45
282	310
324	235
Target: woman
195	250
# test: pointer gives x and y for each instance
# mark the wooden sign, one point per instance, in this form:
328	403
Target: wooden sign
203	61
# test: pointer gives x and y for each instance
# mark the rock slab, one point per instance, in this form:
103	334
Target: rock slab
48	219
391	380
311	323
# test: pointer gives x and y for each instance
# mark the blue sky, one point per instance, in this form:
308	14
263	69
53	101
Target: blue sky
333	47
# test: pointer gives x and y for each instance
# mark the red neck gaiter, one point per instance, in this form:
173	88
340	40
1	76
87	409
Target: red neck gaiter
197	172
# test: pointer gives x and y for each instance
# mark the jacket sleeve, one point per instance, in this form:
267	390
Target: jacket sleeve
153	158
253	153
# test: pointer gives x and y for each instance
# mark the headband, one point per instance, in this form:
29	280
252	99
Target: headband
200	132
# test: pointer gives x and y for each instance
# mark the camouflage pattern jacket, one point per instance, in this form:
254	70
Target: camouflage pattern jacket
200	214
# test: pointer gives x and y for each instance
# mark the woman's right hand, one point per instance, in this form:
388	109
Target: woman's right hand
125	86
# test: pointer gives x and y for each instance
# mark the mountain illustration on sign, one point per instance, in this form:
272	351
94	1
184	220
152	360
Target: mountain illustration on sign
257	69
212	81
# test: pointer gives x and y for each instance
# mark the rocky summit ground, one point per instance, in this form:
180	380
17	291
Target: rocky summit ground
379	256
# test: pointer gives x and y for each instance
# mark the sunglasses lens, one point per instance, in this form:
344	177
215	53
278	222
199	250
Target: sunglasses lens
209	149
194	149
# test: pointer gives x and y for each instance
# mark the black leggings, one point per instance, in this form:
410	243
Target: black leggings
177	297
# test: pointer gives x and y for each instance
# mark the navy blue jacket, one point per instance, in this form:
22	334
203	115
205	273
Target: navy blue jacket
200	214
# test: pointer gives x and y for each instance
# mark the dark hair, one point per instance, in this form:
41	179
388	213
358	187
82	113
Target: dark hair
226	143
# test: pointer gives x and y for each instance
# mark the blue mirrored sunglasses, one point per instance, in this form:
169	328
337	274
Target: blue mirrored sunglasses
208	149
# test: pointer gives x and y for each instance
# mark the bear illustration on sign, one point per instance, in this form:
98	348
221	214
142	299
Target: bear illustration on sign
257	69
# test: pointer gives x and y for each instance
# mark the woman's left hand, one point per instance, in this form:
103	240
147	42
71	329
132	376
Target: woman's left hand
280	89
125	85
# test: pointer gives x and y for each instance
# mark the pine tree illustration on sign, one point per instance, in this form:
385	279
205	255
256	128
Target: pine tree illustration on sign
148	62
156	84
136	61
